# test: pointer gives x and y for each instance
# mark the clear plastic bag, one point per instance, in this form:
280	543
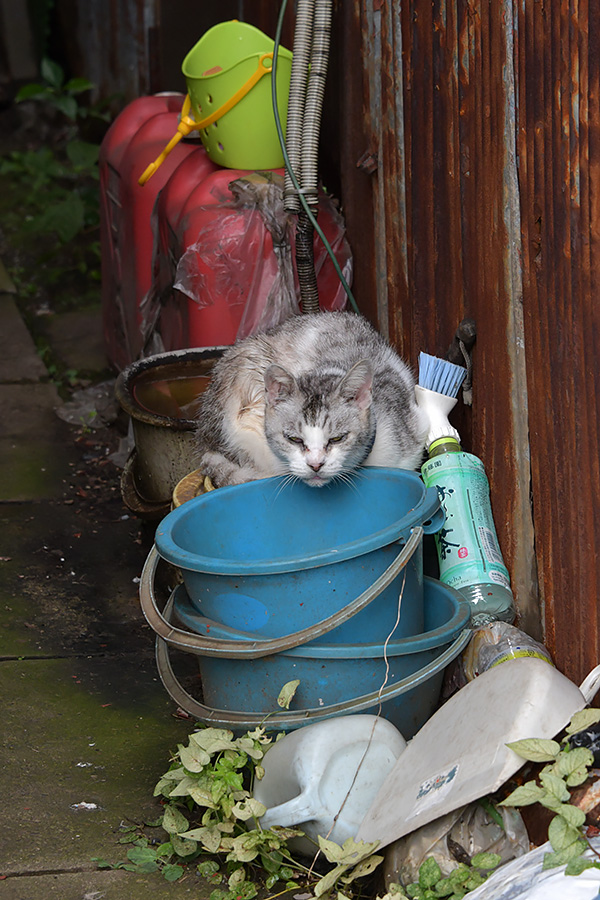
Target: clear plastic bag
590	738
496	643
226	269
246	260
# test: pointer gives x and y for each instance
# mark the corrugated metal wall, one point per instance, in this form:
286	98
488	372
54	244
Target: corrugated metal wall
483	121
558	63
134	47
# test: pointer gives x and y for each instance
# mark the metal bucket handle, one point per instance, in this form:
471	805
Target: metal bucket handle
209	646
295	718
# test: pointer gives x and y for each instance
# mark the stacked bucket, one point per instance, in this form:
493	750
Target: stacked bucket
282	582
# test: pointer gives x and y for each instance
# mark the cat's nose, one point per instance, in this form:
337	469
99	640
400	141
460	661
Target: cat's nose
316	466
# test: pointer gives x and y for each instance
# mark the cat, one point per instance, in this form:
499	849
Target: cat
313	398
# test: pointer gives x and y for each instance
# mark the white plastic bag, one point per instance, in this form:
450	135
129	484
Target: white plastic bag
524	879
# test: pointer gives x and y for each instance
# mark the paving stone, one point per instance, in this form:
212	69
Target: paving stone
99	885
84	718
19	360
76	339
34	443
80	731
68	580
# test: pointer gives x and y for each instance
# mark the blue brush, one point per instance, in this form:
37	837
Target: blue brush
436	392
439	375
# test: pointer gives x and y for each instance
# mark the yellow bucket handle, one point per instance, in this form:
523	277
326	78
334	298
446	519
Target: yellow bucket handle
188	123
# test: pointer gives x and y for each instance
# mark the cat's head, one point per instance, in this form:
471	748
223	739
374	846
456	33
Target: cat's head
320	425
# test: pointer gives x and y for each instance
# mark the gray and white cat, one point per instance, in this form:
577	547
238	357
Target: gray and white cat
313	398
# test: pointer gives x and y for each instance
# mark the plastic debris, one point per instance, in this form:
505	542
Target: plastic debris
92	407
456	837
524	879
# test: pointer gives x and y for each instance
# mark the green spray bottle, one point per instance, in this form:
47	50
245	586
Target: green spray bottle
469	554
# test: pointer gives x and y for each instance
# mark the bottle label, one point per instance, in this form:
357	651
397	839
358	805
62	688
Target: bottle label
468	548
519	652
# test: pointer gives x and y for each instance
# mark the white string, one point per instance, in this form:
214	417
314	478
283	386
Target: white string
377	716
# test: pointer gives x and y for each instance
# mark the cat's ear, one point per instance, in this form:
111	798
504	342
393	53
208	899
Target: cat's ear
357	383
278	383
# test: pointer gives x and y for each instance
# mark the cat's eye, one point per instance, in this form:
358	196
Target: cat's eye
338	438
293	439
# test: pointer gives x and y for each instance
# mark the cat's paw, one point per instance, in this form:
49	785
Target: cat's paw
223	471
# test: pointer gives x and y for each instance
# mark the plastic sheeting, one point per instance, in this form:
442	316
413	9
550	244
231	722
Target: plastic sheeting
246	260
470	829
225	268
524	879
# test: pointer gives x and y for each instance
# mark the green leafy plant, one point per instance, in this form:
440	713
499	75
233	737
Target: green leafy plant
212	822
567	768
145	858
56	91
50	198
209	806
59	195
354	859
208	812
432	884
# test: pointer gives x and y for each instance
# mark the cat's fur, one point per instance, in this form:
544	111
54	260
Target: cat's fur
314	398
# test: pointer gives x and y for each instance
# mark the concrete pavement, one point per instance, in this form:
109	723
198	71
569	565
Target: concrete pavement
86	727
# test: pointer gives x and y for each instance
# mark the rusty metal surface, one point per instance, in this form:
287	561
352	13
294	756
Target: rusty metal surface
134	47
107	43
439	85
558	65
484	121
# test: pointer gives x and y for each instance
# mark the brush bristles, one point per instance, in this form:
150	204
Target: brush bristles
439	375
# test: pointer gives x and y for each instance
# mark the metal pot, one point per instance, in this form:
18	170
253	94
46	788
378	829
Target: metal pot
161	395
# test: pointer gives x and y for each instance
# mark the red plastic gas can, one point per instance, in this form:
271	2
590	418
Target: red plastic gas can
135	139
217	275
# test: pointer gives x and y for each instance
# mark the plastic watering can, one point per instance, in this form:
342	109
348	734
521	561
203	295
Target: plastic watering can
324	777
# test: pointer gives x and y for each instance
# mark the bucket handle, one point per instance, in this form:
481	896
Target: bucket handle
295	718
188	124
208	646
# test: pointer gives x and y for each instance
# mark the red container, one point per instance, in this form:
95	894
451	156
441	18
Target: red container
135	139
186	220
223	252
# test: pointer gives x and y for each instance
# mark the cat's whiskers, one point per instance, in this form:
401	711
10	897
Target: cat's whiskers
348	478
286	480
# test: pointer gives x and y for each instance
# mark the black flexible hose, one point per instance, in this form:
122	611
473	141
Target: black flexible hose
305	264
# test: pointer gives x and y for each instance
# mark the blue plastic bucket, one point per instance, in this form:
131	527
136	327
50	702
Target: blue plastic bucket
336	674
272	557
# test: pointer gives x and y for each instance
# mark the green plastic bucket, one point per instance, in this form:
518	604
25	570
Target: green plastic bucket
228	76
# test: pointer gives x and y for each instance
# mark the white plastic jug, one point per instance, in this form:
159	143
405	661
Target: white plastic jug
325	769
